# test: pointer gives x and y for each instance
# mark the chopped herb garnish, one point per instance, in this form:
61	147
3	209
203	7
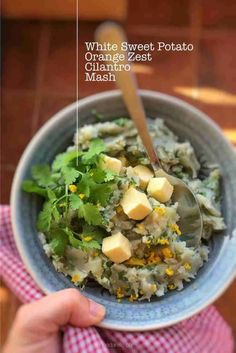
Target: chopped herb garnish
121	121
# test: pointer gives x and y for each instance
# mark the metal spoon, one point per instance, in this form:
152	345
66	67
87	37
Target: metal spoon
190	222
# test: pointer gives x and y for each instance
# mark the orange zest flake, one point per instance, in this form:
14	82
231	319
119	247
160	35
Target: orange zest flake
119	209
187	266
167	253
133	297
169	271
154	287
153	258
175	228
87	238
119	293
148	242
162	241
76	278
160	210
72	188
134	261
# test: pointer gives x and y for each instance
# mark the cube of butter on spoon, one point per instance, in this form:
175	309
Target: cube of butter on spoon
135	204
144	174
160	188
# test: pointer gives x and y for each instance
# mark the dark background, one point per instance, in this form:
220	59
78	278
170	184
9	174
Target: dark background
39	66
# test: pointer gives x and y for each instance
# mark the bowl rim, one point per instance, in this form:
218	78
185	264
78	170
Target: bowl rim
36	139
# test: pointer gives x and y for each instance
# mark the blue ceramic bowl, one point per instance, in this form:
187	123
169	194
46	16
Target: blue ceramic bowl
188	123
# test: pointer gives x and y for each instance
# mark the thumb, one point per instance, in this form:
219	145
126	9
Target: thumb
67	306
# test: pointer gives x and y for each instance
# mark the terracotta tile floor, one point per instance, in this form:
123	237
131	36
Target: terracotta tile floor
38	79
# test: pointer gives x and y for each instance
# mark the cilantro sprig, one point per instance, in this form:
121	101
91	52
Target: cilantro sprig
74	217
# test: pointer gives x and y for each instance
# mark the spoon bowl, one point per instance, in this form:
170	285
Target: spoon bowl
190	222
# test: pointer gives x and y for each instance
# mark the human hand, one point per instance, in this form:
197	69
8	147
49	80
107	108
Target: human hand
36	328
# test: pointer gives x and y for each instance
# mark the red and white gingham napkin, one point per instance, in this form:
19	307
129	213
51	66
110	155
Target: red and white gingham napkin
206	332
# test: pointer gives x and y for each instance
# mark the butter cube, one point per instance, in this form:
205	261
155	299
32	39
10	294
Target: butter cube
117	247
111	163
135	204
144	174
160	189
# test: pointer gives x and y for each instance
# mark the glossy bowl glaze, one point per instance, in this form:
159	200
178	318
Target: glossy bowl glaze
188	123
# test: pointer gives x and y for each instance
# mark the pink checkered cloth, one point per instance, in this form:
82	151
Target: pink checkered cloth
206	332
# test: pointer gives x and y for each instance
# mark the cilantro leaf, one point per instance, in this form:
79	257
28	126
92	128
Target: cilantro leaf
97	146
85	184
45	217
59	242
96	192
31	187
91	214
98	175
74	242
56	214
121	121
75	202
110	175
42	175
70	175
101	193
95	232
92	244
51	195
63	159
58	246
80	244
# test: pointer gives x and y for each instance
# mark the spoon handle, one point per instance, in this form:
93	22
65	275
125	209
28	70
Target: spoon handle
113	34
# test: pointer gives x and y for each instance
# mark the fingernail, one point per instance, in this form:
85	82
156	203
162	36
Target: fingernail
96	309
